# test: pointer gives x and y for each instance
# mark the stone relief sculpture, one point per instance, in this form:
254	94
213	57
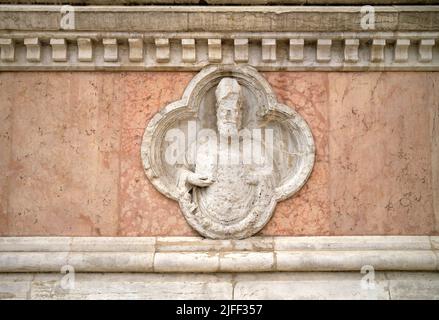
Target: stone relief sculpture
228	152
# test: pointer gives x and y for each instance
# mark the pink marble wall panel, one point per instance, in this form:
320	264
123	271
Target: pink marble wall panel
70	153
380	153
433	103
144	210
64	160
307	212
6	102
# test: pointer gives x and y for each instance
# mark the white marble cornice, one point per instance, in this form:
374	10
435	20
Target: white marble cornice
193	254
179	38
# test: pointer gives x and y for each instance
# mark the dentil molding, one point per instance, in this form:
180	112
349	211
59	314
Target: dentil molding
119	38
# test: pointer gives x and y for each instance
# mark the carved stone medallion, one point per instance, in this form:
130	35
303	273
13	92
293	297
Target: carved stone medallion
228	152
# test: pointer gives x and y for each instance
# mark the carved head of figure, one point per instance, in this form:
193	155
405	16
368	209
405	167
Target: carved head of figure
228	103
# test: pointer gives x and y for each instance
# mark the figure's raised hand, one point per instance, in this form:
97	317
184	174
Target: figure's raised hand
199	180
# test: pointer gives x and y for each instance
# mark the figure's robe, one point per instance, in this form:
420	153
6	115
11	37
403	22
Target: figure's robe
239	191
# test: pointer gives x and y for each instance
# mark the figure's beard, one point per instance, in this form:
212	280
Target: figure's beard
228	129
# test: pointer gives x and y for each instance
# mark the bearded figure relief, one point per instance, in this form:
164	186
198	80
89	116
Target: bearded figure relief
228	152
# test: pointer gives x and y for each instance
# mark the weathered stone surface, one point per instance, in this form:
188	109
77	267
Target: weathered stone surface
85	49
134	286
37	244
220	2
220	18
256	244
15	286
33	261
413	285
401	50
7	47
300	285
377	50
188	50
355	260
354	243
186	262
136	49
253	19
246	262
435	242
110	49
33	49
189	244
59	49
77	244
111	261
104	244
317	285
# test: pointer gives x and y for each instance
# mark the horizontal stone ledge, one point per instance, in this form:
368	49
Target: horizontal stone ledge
211	262
218	18
351	261
263	68
190	286
222	2
199	244
80	261
194	254
77	244
150	36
